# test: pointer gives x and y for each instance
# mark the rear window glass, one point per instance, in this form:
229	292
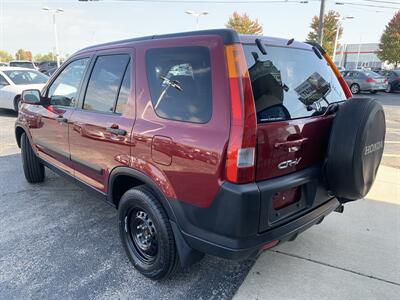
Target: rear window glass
290	83
372	74
180	83
397	72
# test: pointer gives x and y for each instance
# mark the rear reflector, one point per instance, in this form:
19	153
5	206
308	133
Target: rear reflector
242	137
269	245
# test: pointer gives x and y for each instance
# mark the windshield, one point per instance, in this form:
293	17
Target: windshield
290	83
22	64
20	77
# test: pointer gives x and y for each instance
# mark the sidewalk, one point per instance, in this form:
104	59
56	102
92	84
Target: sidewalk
354	255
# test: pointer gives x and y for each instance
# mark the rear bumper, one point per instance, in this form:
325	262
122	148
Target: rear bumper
241	219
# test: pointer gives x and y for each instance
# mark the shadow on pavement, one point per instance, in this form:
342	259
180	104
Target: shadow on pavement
58	241
7	113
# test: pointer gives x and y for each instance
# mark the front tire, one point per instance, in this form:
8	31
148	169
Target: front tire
33	168
146	234
355	88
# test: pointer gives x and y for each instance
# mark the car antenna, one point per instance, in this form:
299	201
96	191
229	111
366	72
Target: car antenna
289	42
260	46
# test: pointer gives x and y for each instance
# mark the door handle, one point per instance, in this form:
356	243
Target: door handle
61	119
116	131
291	146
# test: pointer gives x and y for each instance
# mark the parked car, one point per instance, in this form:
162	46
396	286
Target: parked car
359	81
13	81
205	142
393	79
3	64
50	71
23	64
45	66
341	69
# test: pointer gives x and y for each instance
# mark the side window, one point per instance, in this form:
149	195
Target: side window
3	81
63	91
180	83
124	91
104	83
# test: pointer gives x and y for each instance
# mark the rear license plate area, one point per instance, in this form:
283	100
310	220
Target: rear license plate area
302	193
287	202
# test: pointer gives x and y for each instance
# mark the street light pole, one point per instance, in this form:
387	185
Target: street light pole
197	16
54	12
321	22
337	35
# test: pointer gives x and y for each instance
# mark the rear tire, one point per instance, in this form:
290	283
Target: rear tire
355	88
33	168
17	103
146	234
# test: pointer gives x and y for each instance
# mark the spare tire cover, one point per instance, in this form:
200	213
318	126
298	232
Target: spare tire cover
355	148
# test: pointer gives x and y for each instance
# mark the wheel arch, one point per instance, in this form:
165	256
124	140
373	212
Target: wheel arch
18	133
130	178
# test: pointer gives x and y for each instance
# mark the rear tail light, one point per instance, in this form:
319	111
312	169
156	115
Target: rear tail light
339	76
371	80
240	163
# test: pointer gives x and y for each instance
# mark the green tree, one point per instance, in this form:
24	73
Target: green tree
45	57
5	56
331	21
23	55
243	24
389	46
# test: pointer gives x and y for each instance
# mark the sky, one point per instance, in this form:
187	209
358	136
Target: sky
23	24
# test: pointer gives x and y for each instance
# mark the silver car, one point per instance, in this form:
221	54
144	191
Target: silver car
360	80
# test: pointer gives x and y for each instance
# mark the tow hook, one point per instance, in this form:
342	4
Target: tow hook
339	209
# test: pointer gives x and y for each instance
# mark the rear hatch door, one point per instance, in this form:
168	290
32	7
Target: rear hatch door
292	86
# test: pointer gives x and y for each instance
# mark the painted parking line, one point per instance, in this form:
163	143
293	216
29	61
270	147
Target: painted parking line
392	129
391	155
392	142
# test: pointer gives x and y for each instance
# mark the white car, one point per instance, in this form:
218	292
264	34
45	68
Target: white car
14	80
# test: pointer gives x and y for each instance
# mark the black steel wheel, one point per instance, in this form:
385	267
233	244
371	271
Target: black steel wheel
146	233
142	235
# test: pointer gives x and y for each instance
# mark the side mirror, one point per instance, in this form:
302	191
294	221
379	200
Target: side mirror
31	97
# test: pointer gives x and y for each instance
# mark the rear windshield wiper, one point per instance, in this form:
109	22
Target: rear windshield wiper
261	46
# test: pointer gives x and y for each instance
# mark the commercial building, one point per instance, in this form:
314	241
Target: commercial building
352	56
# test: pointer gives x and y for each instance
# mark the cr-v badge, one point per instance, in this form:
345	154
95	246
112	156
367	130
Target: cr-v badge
289	163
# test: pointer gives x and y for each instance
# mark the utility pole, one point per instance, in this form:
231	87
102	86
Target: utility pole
321	22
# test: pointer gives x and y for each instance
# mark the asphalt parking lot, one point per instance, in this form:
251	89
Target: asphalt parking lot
57	241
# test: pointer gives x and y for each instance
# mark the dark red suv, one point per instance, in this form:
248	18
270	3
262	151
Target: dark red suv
206	142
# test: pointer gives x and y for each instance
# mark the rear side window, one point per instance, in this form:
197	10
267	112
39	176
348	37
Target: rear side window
290	83
104	83
124	91
180	83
